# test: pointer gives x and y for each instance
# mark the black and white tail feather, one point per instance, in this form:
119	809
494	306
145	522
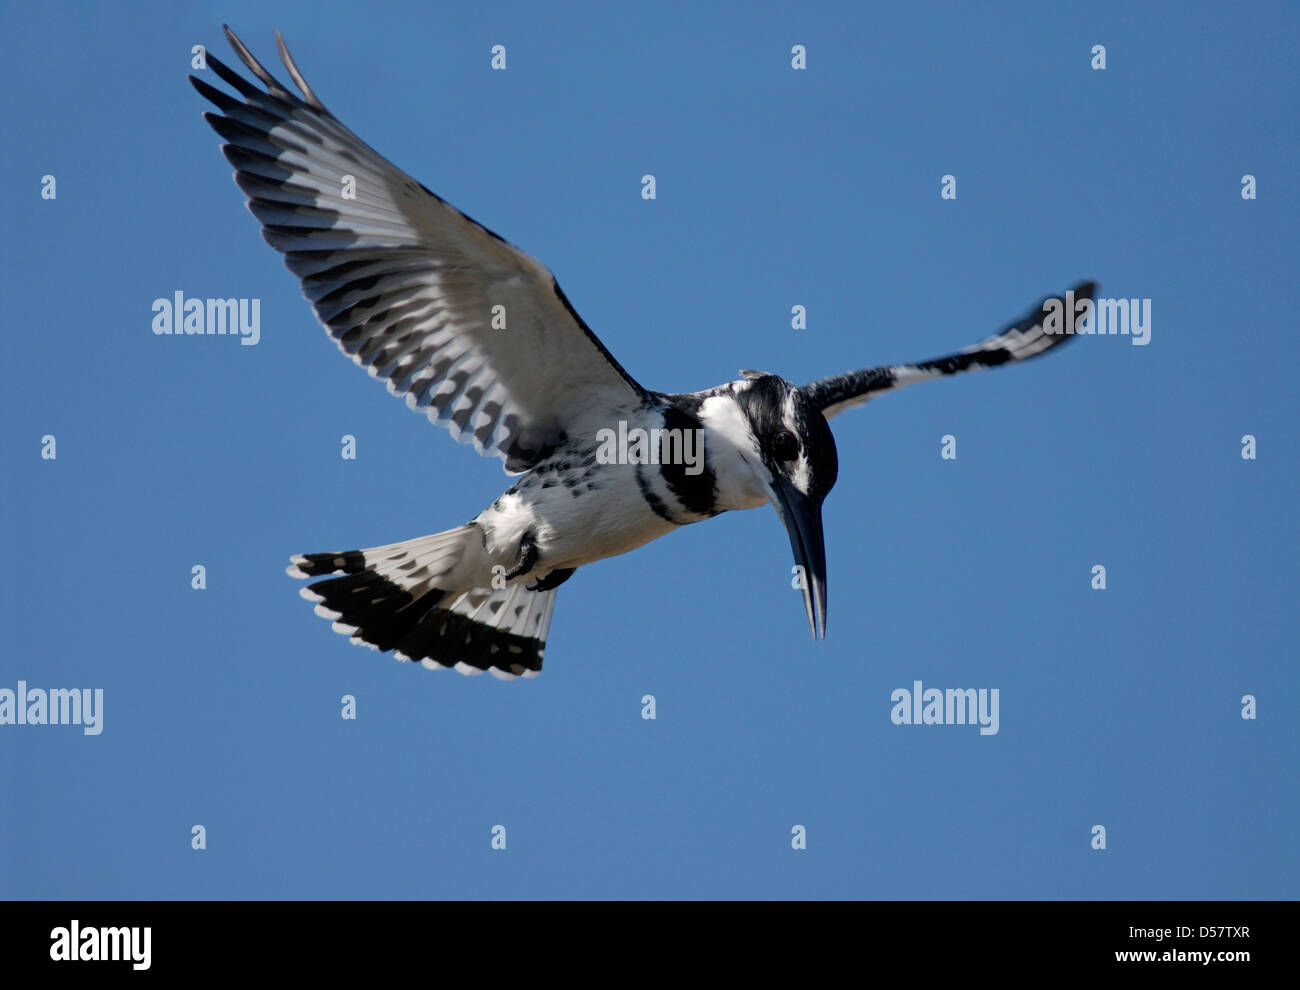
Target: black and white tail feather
388	598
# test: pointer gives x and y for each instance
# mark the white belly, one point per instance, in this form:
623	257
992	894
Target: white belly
609	518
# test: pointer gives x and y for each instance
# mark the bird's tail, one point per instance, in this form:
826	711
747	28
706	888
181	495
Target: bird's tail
389	598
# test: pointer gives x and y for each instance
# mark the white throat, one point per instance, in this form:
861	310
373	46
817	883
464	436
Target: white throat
733	454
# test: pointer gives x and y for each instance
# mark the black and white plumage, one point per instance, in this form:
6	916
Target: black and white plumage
415	292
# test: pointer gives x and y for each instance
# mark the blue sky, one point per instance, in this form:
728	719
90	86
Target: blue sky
775	187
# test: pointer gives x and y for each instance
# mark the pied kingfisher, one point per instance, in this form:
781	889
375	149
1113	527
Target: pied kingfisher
478	335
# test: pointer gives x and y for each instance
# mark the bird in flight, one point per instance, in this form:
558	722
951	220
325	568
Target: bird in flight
478	336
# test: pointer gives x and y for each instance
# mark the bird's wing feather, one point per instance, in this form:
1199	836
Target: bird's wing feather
407	285
1020	341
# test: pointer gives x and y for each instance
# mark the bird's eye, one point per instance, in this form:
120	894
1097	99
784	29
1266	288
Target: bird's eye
785	446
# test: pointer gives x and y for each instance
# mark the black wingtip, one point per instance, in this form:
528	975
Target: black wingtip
213	95
273	85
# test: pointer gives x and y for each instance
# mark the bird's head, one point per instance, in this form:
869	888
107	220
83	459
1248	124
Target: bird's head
795	468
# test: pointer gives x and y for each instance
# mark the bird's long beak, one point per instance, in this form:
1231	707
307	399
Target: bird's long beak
803	521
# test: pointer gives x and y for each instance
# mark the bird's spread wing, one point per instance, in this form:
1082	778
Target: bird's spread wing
1027	337
468	328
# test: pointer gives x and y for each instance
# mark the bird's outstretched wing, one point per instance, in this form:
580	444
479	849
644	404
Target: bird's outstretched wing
471	330
1026	338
